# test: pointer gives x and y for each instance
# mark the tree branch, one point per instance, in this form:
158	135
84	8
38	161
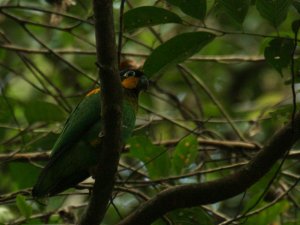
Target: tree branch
224	144
111	93
214	191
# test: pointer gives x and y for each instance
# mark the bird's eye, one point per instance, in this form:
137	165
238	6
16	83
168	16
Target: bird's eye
129	73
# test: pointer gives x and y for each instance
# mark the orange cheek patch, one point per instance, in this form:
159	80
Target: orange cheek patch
94	91
130	82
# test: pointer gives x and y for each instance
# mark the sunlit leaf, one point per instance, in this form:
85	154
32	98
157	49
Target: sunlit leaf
196	9
269	215
275	11
279	53
185	153
176	50
24	208
155	158
148	16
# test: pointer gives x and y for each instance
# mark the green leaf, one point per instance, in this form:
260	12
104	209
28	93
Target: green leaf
236	9
282	113
196	9
275	11
7	109
34	221
148	16
278	53
191	216
185	153
159	222
36	111
256	191
155	158
176	50
23	174
269	215
24	208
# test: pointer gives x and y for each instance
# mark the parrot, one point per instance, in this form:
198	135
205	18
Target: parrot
74	154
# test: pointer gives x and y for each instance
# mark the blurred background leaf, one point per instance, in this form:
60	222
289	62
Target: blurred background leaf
155	158
195	9
148	16
176	50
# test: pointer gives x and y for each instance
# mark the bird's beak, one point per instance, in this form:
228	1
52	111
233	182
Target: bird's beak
143	83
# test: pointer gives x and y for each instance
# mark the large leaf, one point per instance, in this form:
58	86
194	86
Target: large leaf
148	16
196	9
43	111
176	50
275	11
24	208
279	52
185	153
236	9
154	157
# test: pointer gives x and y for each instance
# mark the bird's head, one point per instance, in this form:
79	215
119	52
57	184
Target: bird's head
134	80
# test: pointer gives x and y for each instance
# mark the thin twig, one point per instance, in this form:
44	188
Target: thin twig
215	101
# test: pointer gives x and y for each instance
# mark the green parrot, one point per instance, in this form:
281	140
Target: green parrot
74	153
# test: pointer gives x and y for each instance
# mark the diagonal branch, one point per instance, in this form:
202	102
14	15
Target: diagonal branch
214	191
111	113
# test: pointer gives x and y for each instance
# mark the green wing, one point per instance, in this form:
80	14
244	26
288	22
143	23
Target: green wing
81	120
72	154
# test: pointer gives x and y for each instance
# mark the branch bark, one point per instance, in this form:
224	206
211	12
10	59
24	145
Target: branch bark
214	191
224	144
111	94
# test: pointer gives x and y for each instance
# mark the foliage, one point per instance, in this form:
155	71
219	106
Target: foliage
148	16
175	50
220	75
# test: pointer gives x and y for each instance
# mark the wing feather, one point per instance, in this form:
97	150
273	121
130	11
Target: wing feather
71	156
83	117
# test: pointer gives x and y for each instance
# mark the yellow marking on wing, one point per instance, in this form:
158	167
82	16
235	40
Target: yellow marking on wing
130	82
94	91
95	142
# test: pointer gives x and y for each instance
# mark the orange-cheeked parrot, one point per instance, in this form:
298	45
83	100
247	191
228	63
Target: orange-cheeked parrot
74	153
